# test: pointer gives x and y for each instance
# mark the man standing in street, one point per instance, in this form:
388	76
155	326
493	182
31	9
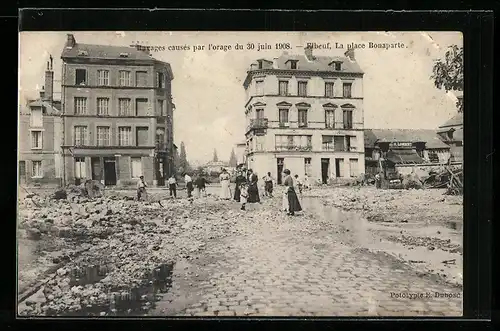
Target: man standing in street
268	185
172	186
189	184
141	188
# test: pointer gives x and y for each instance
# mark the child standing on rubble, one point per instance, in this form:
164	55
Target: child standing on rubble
243	194
141	188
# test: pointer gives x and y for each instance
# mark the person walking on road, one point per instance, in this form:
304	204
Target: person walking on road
141	188
268	185
200	184
293	201
240	179
224	178
253	189
189	185
172	186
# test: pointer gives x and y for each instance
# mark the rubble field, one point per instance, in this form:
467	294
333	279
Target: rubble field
423	227
112	255
107	251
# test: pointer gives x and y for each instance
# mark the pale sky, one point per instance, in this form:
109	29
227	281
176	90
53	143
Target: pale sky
207	87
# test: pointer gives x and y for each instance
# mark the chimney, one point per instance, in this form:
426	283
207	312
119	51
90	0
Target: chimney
42	93
49	82
275	63
309	53
70	42
350	54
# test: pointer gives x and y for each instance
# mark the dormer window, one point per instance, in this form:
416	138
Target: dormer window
83	53
292	64
337	65
124	54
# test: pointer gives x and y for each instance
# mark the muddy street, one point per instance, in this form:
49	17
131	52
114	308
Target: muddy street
209	258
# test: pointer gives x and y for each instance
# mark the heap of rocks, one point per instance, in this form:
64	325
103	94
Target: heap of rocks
128	240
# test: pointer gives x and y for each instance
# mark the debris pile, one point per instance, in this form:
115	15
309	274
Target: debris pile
447	177
128	240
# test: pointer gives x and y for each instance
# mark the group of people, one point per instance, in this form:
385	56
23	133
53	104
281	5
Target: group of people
246	188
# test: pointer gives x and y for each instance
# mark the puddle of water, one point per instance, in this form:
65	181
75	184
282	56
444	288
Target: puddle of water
124	302
351	221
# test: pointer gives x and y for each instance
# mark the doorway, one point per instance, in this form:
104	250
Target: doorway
109	171
280	162
160	171
96	168
325	166
339	167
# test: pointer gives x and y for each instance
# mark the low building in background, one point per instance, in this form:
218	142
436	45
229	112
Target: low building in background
452	134
214	167
40	134
403	149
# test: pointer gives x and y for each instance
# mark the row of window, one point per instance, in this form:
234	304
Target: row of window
124	107
302	89
135	167
335	143
124	78
81	137
303	120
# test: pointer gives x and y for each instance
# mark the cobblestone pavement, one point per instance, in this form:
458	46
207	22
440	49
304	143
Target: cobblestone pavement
310	265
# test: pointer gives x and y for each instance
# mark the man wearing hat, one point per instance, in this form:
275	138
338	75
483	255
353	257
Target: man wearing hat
141	187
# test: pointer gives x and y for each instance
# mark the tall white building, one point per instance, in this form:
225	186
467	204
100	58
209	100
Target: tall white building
305	113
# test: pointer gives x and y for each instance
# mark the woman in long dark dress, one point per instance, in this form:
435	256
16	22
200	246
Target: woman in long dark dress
293	201
253	190
240	179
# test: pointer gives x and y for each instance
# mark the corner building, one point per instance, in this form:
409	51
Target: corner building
117	115
305	113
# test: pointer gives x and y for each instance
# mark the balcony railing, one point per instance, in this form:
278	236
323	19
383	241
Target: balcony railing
297	148
258	123
331	147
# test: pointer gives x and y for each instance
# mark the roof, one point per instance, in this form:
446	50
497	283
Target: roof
55	107
430	137
319	63
404	156
457	120
105	52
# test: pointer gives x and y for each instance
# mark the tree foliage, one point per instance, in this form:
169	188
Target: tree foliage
215	157
233	162
448	73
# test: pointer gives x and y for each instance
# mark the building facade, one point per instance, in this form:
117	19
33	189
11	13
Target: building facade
305	113
117	115
452	133
403	147
40	129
